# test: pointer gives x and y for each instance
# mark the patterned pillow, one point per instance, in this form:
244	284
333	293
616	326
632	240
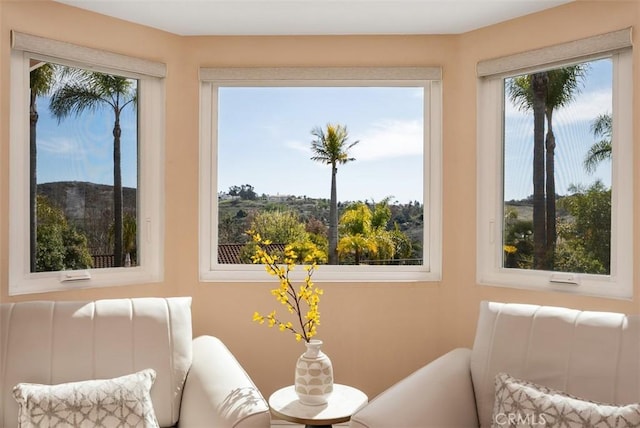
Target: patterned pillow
120	402
524	404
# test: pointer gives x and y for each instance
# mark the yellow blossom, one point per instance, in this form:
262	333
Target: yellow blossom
258	318
510	249
286	294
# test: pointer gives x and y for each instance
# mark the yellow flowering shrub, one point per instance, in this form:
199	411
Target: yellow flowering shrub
510	249
306	295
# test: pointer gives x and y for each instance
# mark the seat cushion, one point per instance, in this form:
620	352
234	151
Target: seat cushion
58	342
592	355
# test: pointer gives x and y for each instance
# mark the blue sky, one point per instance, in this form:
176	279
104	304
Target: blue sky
81	148
265	139
573	137
268	132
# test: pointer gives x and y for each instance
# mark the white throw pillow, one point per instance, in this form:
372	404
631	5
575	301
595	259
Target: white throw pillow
520	403
119	402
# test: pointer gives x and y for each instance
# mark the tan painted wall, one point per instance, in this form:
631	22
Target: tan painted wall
566	23
374	333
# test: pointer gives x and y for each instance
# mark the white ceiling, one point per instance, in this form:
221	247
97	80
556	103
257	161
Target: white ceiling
315	17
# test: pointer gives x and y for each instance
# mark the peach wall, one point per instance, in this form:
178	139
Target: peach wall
374	333
562	24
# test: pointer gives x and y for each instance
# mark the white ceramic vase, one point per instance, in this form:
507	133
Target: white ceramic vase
314	375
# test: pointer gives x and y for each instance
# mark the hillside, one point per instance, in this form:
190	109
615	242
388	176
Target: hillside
82	200
235	215
89	207
524	209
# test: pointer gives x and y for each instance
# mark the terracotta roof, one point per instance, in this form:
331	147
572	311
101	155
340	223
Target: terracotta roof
230	253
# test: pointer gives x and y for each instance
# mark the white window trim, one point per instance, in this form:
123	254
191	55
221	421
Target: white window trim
427	77
490	200
150	171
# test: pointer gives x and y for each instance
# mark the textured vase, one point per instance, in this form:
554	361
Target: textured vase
314	375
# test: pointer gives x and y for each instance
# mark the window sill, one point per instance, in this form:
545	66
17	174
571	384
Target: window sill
604	286
46	282
256	273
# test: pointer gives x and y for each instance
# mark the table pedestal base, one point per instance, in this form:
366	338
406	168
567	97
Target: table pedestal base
343	402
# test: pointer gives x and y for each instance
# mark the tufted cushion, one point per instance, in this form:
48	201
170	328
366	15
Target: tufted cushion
122	401
59	342
592	355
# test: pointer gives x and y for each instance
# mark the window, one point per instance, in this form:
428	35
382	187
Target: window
263	167
87	186
555	168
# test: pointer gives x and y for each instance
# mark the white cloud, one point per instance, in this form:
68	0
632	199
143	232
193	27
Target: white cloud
299	146
390	138
585	108
61	146
386	139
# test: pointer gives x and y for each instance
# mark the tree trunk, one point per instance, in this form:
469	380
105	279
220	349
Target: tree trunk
539	86
551	193
117	194
33	182
333	219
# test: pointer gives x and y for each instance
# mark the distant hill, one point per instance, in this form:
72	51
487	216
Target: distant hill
235	216
84	202
523	208
89	207
81	200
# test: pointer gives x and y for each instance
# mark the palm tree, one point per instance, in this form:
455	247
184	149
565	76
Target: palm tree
355	229
543	93
564	85
385	240
358	245
90	91
364	232
41	79
331	148
529	92
601	150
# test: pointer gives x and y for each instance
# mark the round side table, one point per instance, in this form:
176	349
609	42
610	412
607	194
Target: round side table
343	402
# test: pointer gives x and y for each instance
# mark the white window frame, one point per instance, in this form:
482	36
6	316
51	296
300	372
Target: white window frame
150	77
427	77
490	200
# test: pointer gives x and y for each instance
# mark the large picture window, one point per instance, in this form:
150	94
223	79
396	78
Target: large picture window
326	162
83	163
557	214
